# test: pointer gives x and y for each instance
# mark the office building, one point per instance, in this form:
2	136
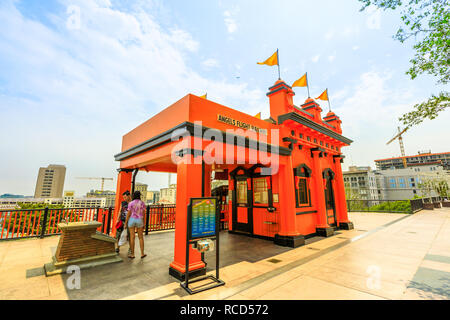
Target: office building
392	184
153	197
142	187
168	195
421	159
109	195
50	182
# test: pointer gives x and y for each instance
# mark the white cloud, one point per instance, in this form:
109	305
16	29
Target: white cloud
369	112
72	94
329	35
230	19
332	57
350	31
184	39
354	48
210	63
315	58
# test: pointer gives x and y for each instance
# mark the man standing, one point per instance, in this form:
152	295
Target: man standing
123	216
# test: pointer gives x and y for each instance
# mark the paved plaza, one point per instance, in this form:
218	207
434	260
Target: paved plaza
386	256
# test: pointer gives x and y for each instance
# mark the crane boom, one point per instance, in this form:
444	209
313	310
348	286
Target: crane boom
400	141
398	135
95	178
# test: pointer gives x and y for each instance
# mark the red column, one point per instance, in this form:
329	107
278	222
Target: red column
123	184
287	198
342	214
319	191
189	184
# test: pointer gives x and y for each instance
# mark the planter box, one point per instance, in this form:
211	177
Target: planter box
428	206
437	204
446	204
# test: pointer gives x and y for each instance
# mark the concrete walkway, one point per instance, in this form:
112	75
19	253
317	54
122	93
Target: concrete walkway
387	256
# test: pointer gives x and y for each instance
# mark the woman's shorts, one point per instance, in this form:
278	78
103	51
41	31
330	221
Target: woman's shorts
135	222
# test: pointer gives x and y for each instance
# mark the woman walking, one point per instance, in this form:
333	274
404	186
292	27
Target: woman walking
135	222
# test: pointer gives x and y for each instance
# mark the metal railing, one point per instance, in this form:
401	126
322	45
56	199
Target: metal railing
19	223
394	206
33	223
160	217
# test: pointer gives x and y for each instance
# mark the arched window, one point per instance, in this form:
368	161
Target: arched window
302	175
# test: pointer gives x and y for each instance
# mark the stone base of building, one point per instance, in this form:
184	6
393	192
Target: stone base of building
55	267
181	275
346	225
289	241
325	231
437	204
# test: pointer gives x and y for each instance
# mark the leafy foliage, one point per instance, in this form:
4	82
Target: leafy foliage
439	185
428	109
384	206
428	22
42	205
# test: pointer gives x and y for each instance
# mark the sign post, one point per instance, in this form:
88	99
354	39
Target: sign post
202	224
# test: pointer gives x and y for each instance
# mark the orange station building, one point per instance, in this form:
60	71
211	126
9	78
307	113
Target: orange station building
284	173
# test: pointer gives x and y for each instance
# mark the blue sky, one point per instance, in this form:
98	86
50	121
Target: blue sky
77	75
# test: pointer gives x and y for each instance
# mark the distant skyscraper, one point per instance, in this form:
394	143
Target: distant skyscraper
142	187
50	182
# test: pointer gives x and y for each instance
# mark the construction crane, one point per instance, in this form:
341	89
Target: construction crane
400	140
94	178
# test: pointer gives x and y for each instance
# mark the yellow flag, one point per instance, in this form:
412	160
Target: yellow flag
302	82
272	61
323	96
204	96
258	115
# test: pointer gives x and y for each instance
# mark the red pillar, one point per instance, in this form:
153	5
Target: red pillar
288	234
342	214
123	184
189	185
322	227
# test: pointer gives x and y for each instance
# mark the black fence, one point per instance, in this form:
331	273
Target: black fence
39	223
393	206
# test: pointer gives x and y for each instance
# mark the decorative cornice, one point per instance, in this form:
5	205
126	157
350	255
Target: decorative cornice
313	125
188	128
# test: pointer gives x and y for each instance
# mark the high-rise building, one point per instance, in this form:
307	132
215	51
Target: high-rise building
50	182
153	197
421	159
109	195
142	187
362	183
69	201
168	195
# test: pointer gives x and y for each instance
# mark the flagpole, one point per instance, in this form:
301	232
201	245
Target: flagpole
278	64
307	85
328	96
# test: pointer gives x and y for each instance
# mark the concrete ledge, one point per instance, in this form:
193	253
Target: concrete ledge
289	241
100	236
325	232
55	267
79	225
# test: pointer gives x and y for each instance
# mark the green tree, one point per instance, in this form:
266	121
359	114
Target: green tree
428	22
439	185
